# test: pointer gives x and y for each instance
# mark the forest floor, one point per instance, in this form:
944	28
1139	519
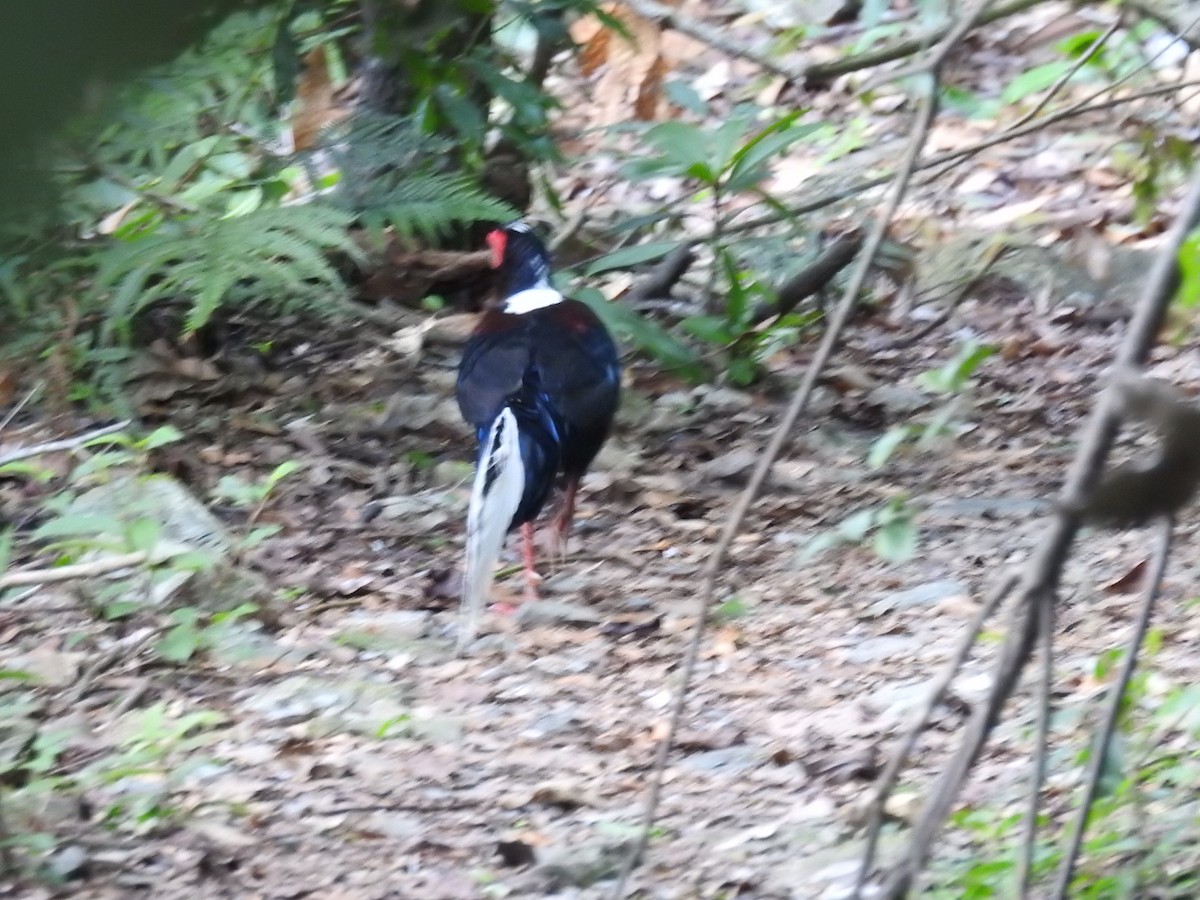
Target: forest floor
337	748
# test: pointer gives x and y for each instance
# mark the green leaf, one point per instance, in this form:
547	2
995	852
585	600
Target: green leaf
953	376
819	543
855	526
749	163
968	104
1031	81
242	203
724	141
77	525
742	371
27	469
737	300
647	335
713	329
180	643
142	534
683	95
628	257
896	541
260	534
884	446
280	472
733	608
1080	43
681	149
164	434
1189	272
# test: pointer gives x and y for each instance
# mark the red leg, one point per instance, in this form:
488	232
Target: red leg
566	517
527	552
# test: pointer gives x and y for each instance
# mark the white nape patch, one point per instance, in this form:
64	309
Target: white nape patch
532	298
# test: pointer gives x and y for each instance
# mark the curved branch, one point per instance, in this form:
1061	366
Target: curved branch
811	279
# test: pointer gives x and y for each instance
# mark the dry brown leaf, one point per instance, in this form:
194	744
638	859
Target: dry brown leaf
315	107
636	64
1130	582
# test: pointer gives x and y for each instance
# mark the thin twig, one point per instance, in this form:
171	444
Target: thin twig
949	156
782	433
821	72
1041	742
72	443
1045	567
1060	83
900	755
29	395
667	17
1154	575
1158	13
103	566
124	649
817	73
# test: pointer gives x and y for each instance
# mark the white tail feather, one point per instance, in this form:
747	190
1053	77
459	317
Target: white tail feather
493	505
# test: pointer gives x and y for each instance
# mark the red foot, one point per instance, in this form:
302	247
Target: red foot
527	551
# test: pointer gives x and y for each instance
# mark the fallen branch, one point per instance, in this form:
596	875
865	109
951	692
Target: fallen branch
126	648
804	284
1040	581
659	280
104	566
920	132
72	443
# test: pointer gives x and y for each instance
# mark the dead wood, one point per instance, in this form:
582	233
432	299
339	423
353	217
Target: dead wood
664	276
71	443
812	278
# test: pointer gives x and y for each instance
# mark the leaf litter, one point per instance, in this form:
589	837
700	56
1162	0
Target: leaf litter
356	757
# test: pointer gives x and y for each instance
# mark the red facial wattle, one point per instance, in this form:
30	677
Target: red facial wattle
498	241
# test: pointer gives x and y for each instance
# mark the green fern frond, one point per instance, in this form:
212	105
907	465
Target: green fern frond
392	174
429	206
278	256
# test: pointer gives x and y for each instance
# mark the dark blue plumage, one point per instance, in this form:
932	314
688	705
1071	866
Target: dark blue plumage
548	366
